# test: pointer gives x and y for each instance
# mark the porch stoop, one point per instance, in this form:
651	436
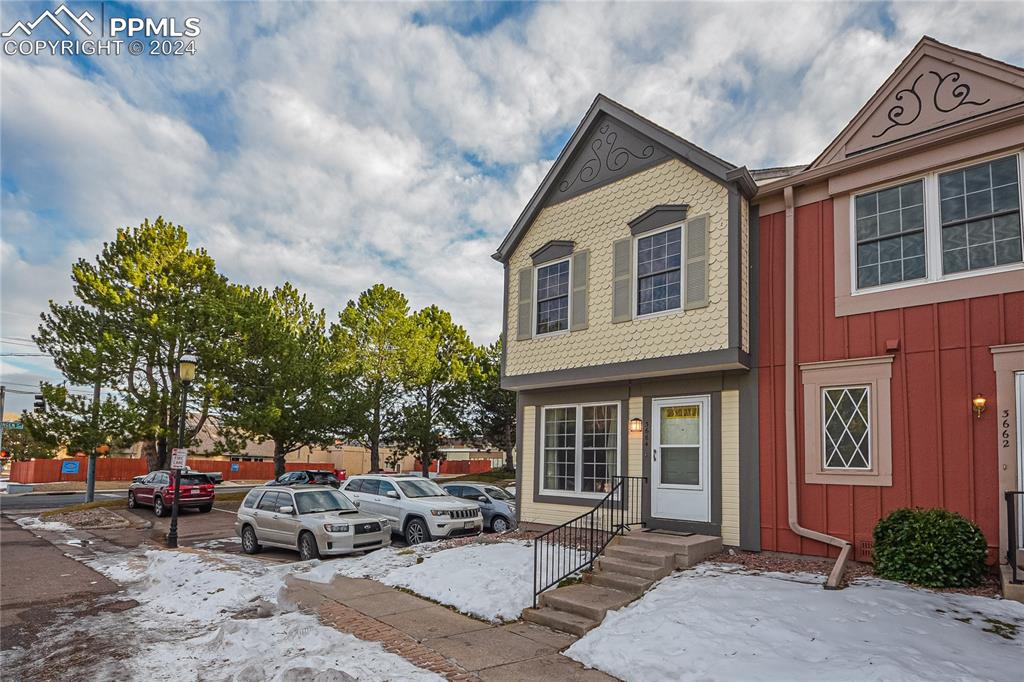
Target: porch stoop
627	569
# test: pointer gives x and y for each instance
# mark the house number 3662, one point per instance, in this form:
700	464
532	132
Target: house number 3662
1005	434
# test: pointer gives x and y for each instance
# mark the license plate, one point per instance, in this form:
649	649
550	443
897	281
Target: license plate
469	524
196	491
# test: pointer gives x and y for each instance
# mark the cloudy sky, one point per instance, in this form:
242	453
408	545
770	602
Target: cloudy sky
339	145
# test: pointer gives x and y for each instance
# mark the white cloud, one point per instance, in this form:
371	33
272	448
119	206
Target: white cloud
337	145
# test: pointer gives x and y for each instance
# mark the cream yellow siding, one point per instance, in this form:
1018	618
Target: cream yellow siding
635	442
731	467
593	221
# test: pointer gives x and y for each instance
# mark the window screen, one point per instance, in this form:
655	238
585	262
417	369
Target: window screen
553	298
890	235
980	209
658	268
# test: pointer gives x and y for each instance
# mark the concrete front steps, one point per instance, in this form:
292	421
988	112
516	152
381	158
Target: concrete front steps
628	567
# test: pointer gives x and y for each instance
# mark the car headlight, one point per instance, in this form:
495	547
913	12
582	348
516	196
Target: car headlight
438	512
336	527
384	522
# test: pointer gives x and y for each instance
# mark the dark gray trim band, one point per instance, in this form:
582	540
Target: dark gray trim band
658	216
520	411
750	436
553	250
538	455
735	289
689	363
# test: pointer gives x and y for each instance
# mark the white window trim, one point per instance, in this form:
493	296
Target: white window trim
932	227
536	303
824	435
578	474
635	297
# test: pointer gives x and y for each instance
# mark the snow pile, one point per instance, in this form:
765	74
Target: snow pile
490	581
487	580
716	623
375	565
35	523
198	597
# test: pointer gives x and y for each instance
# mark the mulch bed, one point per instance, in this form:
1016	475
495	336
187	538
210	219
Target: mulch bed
787	563
91	518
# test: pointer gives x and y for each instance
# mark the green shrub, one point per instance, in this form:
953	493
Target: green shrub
930	547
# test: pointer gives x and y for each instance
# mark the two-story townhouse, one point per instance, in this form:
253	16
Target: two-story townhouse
629	328
891	290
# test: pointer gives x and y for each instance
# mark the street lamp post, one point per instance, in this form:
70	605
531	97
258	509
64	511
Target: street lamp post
187	374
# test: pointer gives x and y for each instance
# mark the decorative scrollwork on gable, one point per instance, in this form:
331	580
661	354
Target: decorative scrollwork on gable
606	155
909	106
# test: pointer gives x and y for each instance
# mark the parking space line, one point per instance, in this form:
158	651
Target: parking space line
226	511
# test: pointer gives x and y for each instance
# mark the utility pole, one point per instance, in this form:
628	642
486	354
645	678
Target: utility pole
3	396
90	477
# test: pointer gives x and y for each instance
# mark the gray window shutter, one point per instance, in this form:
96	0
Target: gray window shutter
696	263
524	327
622	280
580	261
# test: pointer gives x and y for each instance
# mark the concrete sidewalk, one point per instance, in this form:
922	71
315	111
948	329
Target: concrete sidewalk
437	638
38	581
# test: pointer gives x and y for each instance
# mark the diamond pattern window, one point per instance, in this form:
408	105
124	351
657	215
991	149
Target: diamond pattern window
890	235
847	442
553	297
980	209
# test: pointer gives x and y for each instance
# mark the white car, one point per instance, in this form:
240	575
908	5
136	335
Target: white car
417	507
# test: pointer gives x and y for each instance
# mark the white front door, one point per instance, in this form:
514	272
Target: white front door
681	459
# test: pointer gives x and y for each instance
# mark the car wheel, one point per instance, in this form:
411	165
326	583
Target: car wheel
499	524
131	500
158	505
249	543
307	547
416	532
205	508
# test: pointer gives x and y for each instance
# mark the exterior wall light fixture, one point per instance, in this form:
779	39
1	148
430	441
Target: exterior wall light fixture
636	425
979	404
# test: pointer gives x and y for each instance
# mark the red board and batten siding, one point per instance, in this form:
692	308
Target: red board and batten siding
942	455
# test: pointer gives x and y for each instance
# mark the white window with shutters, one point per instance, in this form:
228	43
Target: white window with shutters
668	271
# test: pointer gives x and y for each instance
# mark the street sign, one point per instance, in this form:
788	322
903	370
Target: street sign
234	467
178	456
13	425
69	467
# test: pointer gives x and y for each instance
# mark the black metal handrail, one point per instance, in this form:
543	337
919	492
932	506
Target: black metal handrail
1012	538
573	546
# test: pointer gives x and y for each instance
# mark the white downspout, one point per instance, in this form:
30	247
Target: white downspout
836	575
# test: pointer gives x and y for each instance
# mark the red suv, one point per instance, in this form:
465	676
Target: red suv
157	490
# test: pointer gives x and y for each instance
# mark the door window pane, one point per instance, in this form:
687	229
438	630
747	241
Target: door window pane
560	448
600	447
980	211
680	440
890	235
847	424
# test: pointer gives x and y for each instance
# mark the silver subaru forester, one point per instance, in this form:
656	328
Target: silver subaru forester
316	520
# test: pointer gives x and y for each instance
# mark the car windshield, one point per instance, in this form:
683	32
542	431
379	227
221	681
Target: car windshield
420	488
318	501
498	494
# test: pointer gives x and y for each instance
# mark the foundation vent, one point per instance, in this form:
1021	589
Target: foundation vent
863	550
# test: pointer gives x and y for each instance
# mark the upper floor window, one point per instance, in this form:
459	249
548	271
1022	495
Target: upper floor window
890	235
943	224
658	270
980	216
553	297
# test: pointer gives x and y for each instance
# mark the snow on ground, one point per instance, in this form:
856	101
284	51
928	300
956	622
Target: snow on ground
714	623
35	523
487	580
198	610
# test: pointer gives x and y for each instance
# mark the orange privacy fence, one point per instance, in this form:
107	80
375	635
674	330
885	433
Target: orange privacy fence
117	469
